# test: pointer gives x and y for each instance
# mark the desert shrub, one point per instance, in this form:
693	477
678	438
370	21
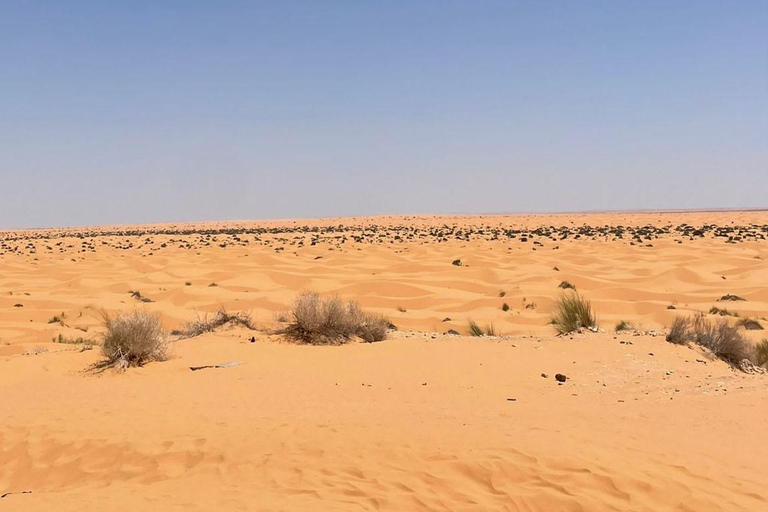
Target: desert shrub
720	337
565	285
505	307
572	312
57	319
761	353
679	333
331	321
502	293
729	297
476	330
205	324
714	310
750	324
623	326
139	297
132	339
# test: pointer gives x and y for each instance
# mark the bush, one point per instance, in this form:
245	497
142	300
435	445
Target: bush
476	330
721	338
505	307
572	312
623	326
209	324
761	353
750	324
565	285
331	321
714	310
133	340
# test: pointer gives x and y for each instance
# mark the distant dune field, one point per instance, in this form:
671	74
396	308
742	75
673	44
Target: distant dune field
421	421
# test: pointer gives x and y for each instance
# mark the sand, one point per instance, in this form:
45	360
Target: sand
421	421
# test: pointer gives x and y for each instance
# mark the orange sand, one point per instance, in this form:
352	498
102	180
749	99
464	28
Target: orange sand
418	422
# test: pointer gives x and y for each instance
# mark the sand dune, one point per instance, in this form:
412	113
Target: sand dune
423	421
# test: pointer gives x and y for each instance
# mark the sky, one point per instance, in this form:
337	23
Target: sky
163	111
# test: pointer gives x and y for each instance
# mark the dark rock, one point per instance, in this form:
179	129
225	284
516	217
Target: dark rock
560	377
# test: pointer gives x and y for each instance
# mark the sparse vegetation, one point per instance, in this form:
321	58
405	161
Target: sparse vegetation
505	307
331	321
401	309
57	319
671	306
720	337
565	285
73	341
456	263
714	310
139	297
729	297
132	339
476	330
205	323
213	285
188	283
623	326
750	324
502	293
572	312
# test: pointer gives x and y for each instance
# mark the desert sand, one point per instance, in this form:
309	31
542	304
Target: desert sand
422	421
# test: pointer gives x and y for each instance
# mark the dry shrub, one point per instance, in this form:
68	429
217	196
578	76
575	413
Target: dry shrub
206	324
331	321
573	312
720	337
761	353
132	339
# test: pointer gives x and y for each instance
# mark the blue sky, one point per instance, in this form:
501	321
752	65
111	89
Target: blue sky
115	112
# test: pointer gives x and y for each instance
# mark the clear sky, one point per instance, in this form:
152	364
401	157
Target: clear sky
133	111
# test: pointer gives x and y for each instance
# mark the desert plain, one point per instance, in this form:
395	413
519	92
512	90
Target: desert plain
428	419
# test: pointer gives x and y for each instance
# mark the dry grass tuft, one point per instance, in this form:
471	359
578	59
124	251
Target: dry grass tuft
476	330
573	312
206	324
331	321
132	339
720	337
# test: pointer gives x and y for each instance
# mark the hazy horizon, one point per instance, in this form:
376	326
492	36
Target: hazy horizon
187	112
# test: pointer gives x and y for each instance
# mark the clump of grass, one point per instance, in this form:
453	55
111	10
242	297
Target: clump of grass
714	310
401	309
57	319
456	263
761	353
331	321
750	324
73	341
476	330
213	285
502	293
204	324
623	326
565	285
729	297
139	297
505	307
573	312
132	339
671	306
721	338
